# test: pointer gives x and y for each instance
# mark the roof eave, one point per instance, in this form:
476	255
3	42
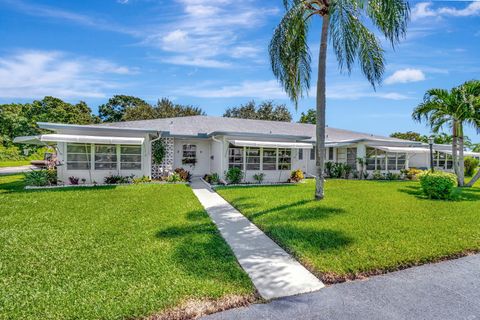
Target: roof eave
59	126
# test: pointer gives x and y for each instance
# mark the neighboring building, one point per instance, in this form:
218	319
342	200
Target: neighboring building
203	144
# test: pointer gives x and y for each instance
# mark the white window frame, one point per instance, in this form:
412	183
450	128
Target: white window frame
88	154
130	154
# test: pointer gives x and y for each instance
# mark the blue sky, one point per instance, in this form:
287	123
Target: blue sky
213	54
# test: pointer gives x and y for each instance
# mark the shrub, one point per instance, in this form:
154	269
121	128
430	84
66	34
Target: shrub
296	176
412	173
438	184
41	178
143	179
377	175
259	177
158	151
338	170
74	180
392	176
117	179
234	175
184	174
471	165
175	177
212	178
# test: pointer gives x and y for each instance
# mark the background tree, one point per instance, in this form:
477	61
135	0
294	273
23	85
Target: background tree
344	23
167	109
309	117
114	110
140	112
410	135
266	110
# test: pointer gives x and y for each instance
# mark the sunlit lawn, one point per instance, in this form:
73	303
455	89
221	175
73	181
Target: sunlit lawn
361	226
108	253
14	163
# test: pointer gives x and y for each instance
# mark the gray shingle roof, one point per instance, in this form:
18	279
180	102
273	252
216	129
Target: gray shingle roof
208	125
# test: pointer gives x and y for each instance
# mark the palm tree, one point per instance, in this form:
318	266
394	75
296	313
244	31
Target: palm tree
454	108
343	22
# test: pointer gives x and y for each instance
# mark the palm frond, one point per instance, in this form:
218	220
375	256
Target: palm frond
391	18
352	41
289	53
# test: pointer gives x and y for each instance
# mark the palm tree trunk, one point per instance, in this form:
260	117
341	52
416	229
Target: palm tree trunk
321	107
461	166
474	179
454	149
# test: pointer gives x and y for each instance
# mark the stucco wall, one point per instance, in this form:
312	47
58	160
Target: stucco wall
203	156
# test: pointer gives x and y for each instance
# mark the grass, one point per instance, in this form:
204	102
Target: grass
109	252
362	227
16	163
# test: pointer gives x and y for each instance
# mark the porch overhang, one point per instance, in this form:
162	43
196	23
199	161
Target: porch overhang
402	149
45	139
271	144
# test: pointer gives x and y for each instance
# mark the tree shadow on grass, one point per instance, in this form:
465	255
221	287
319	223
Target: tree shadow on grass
201	252
460	194
298	211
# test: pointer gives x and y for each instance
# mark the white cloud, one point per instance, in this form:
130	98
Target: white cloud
425	10
34	74
405	75
209	33
270	89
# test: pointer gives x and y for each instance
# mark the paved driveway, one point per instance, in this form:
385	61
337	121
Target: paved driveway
446	290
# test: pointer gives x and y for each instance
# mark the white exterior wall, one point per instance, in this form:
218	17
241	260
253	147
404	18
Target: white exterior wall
98	176
203	156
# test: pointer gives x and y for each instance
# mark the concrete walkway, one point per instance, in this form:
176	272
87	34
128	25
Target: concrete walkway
12	170
446	290
273	272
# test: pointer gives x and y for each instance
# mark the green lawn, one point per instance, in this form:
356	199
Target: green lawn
362	227
14	163
109	253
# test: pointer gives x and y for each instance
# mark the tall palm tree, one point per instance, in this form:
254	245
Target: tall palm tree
344	24
454	108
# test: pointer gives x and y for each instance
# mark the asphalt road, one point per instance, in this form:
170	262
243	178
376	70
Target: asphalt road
445	290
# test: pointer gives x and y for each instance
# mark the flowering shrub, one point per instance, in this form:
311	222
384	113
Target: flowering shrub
296	176
438	184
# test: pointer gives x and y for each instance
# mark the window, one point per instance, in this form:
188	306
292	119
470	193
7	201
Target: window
105	157
300	154
371	158
253	158
381	160
330	154
78	156
284	159
235	157
352	157
189	154
443	160
269	159
312	153
131	157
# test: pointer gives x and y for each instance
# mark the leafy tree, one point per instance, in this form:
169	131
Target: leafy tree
309	117
167	109
266	110
475	147
410	135
344	23
140	112
114	110
453	108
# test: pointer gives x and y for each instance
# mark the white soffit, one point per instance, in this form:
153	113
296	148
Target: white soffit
271	144
402	149
46	138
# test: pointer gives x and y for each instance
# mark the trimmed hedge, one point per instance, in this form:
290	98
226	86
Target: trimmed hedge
438	184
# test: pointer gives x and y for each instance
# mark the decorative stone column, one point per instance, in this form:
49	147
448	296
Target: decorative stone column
166	167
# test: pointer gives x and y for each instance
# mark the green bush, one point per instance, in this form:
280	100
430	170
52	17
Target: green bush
142	179
175	177
338	170
234	175
212	178
259	177
41	178
117	179
183	174
471	164
438	184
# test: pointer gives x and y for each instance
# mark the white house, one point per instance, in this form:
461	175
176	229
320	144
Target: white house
204	144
